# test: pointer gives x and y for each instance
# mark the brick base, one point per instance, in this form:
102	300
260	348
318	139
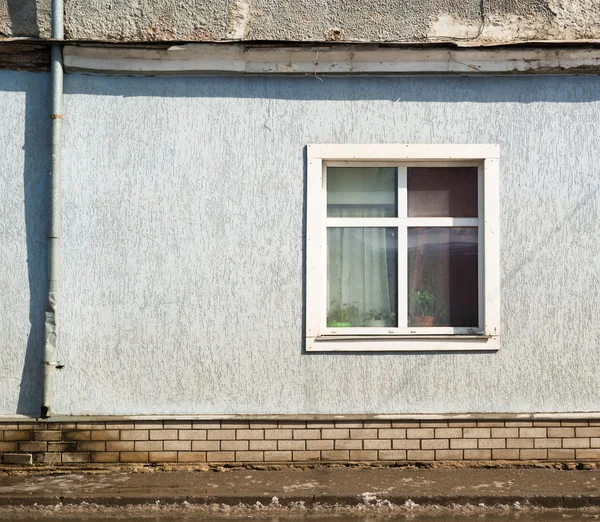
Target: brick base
283	441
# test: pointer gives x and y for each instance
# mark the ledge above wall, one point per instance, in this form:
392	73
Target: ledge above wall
342	59
306	59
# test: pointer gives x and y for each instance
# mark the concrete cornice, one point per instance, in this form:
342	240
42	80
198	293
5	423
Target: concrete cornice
159	58
350	59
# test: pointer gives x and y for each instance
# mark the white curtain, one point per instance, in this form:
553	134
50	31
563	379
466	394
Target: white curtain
362	265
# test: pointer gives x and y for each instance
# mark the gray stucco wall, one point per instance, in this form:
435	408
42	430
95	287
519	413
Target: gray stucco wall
308	20
183	244
24	169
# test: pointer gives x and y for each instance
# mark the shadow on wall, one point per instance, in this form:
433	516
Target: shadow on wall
398	90
23	18
35	186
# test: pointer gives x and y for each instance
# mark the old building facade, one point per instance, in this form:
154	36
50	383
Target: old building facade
312	233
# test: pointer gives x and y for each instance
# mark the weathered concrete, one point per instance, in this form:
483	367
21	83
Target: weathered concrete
342	486
329	59
24	56
20	18
309	20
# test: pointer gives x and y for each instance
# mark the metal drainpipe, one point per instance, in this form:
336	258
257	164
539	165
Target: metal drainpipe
52	305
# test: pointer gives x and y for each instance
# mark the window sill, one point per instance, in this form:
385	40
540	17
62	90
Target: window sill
403	343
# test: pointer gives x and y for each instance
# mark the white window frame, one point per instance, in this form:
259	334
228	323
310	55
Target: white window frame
486	337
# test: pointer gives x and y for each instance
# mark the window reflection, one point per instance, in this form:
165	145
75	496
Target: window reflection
362	192
442	277
442	191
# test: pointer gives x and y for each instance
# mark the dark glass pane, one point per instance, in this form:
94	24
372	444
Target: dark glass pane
362	275
442	191
362	192
442	277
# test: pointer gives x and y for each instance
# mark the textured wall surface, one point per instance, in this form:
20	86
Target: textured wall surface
23	215
183	243
308	20
25	18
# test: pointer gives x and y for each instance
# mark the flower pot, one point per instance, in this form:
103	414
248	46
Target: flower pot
424	321
376	323
335	324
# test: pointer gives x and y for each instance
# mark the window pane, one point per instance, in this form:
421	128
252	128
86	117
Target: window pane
442	277
361	192
442	191
362	271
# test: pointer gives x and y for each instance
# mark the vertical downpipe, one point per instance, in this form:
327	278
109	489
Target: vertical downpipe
52	305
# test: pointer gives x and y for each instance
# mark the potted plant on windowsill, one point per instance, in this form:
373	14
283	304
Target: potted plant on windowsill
378	318
424	306
341	316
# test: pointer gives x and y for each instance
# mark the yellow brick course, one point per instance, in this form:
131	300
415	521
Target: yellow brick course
230	441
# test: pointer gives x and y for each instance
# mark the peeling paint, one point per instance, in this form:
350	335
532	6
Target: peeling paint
334	34
238	17
446	26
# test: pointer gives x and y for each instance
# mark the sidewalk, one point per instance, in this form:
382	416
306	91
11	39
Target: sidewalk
344	486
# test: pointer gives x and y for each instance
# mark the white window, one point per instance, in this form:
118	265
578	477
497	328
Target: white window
403	248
